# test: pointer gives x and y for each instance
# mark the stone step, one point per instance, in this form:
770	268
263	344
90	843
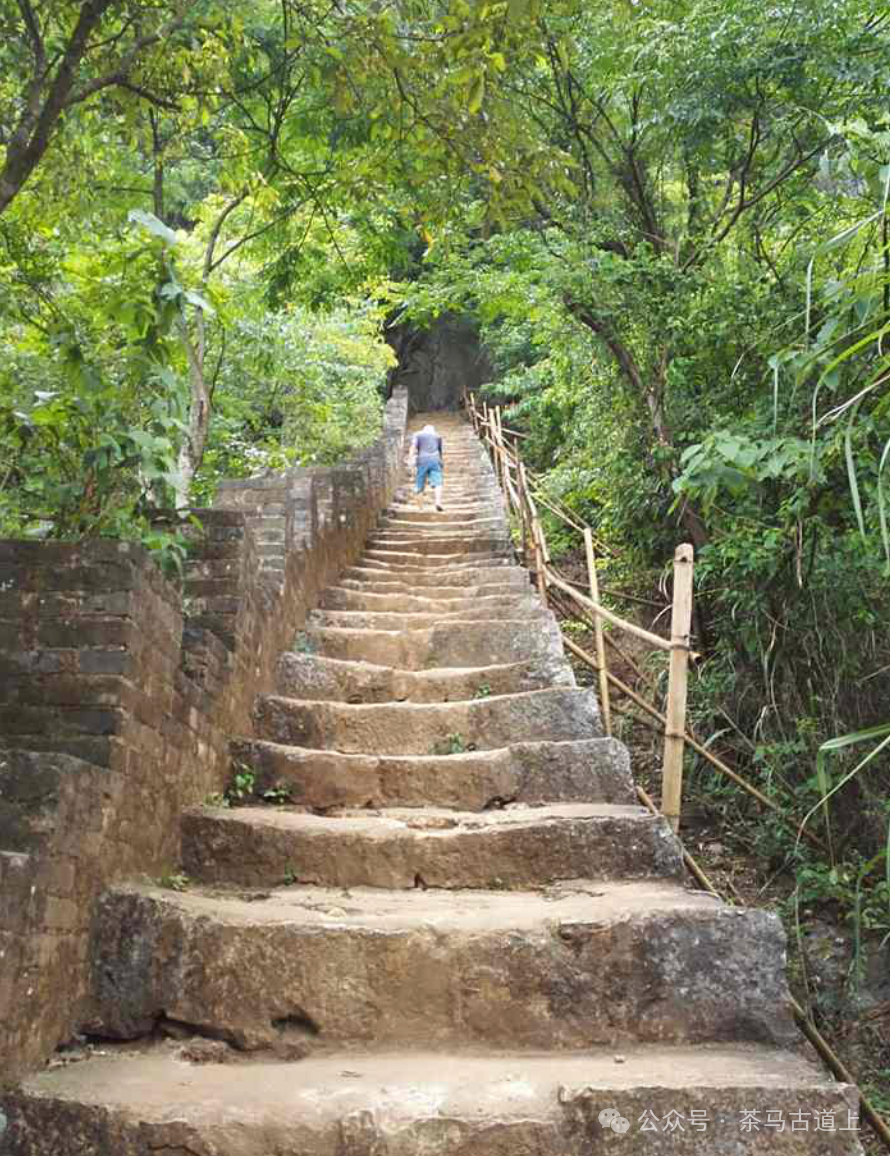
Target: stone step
592	770
511	584
513	848
440	569
403	1103
580	965
344	598
425	513
418	549
526	606
466	472
444	523
301	675
402	527
413	534
453	495
451	643
417	559
408	728
452	578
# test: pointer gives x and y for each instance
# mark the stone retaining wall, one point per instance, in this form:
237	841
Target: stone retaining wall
120	692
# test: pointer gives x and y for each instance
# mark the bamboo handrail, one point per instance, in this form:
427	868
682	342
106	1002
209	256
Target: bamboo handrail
548	503
691	865
612	592
569	521
693	742
600	610
582	616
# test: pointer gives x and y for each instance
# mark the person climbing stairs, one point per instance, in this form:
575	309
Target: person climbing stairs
459	937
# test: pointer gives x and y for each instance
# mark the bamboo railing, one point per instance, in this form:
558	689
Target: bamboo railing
523	499
523	496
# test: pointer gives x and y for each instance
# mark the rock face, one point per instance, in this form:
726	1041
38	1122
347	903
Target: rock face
437	363
461	937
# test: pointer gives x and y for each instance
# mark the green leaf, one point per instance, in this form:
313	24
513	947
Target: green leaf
851	472
199	302
150	221
477	94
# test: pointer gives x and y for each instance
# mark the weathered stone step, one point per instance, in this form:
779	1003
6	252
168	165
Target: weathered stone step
418	549
394	528
463	473
593	770
435	569
404	558
580	965
301	675
436	540
457	471
485	492
516	848
444	523
452	643
410	728
526	606
426	513
352	1103
346	598
443	594
511	585
475	577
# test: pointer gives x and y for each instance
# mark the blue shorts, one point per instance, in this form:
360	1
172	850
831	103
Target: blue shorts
431	470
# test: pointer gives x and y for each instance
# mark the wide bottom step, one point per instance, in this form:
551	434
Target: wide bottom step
710	1101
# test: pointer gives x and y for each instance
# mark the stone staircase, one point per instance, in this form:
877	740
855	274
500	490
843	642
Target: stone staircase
463	938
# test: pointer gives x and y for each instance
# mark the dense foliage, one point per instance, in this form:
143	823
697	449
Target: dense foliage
669	220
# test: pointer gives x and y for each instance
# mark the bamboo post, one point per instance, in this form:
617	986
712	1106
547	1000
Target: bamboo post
495	446
540	564
527	540
485	425
598	633
501	452
675	726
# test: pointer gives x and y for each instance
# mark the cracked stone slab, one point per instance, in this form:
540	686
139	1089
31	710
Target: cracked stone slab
313	676
342	598
410	728
577	965
595	770
503	575
527	607
451	545
517	847
440	1104
464	592
453	643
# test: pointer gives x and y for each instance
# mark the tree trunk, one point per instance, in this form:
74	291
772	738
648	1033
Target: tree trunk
191	452
44	105
651	393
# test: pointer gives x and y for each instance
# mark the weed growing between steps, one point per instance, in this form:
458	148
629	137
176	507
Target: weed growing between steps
178	881
454	744
244	791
